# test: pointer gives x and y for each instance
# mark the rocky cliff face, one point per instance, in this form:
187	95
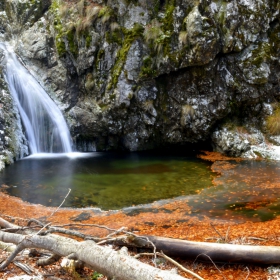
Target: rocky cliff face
139	74
13	144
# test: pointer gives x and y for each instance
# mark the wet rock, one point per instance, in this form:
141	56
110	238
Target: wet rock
13	143
231	143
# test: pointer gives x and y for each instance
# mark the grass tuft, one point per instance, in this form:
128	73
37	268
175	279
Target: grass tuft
114	26
80	7
183	37
152	31
273	123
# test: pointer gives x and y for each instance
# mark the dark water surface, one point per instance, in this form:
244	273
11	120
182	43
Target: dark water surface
104	180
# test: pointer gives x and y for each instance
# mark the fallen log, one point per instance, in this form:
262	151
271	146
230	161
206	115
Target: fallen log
217	252
113	264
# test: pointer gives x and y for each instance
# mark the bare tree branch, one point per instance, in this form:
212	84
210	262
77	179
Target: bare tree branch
18	249
48	261
60	204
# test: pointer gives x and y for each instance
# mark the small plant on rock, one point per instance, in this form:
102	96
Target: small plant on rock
183	37
273	122
154	35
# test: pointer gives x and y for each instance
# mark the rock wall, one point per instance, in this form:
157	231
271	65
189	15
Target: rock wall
13	144
137	75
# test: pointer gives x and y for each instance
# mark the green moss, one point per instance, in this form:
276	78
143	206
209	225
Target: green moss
130	35
59	40
273	123
69	33
72	43
114	37
263	52
103	106
147	69
99	56
60	46
221	17
274	39
89	83
135	2
103	11
167	21
159	34
88	40
168	30
106	13
112	97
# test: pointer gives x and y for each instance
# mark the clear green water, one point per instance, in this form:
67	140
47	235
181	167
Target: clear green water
105	180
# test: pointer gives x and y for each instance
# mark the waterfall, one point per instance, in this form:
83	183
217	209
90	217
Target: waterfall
45	127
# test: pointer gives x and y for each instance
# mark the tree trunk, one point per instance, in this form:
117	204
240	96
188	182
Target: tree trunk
102	259
217	252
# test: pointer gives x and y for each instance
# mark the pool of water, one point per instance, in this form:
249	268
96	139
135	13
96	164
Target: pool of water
246	190
105	180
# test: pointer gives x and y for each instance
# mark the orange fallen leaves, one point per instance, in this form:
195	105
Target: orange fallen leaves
169	220
178	220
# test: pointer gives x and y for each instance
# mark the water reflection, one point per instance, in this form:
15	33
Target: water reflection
105	180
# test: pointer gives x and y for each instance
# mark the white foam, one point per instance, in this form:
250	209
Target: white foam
72	155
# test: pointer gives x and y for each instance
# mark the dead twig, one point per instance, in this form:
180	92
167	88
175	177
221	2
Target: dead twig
222	238
35	221
161	254
211	262
6	224
45	226
27	269
18	249
86	225
247	273
227	235
60	204
72	233
50	260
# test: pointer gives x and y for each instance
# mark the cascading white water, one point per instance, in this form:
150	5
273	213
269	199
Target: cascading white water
45	127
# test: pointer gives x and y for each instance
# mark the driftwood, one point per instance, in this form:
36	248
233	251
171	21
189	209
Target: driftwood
227	253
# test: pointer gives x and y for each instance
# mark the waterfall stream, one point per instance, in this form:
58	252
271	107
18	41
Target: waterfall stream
44	124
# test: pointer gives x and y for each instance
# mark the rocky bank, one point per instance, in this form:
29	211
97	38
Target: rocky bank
136	75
